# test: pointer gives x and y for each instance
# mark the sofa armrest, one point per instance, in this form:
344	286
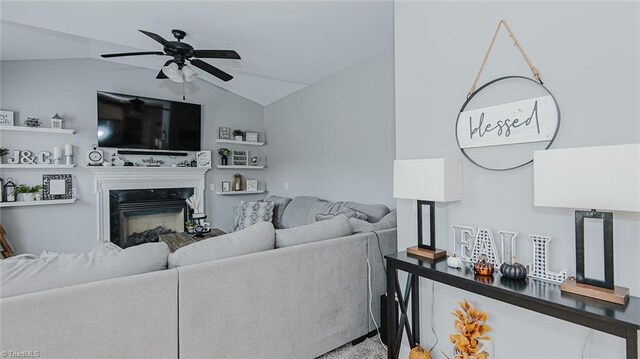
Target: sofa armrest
386	242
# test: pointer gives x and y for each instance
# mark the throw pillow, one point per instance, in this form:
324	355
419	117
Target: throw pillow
257	238
279	204
318	231
61	270
250	213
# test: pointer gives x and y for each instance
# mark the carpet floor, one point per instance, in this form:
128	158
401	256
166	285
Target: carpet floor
368	349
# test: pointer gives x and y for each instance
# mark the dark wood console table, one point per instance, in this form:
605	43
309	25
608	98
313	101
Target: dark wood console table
535	295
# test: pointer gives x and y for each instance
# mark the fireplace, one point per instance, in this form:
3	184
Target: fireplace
140	216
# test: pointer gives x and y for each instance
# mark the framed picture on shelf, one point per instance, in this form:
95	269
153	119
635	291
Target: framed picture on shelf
251	136
6	118
239	158
224	133
226	186
57	187
252	185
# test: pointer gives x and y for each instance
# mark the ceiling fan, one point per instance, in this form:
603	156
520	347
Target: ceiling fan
177	69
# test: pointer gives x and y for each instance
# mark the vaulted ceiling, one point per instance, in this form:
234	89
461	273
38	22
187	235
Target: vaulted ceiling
285	45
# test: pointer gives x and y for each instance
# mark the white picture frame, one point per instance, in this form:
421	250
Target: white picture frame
252	185
6	118
239	158
203	159
251	136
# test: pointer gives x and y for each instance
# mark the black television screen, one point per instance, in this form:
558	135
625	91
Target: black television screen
126	121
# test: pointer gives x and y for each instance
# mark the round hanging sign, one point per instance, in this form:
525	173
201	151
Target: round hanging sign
529	121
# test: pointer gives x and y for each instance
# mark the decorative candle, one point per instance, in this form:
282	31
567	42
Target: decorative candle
57	153
68	150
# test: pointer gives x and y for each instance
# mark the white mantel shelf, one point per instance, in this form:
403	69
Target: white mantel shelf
230	193
142	170
230	167
21	166
234	142
65	131
36	203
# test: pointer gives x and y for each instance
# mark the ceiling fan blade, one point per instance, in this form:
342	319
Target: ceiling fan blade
161	74
211	69
132	54
156	37
216	54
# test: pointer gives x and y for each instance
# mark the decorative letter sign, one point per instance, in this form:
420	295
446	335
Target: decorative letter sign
485	247
471	248
540	268
532	120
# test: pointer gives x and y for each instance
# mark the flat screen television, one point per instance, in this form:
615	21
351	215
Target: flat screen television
136	122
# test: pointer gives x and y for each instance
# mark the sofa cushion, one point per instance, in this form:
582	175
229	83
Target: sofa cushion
279	205
387	222
24	275
296	213
257	238
374	212
250	213
318	231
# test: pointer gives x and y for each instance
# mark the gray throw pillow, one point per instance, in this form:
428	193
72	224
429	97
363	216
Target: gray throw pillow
26	275
279	205
318	231
388	221
374	212
257	238
250	213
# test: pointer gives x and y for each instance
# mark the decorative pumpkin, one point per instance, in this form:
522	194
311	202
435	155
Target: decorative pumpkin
419	352
513	270
454	261
482	267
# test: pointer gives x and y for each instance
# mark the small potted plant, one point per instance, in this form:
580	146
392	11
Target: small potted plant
238	135
3	152
191	225
27	193
224	156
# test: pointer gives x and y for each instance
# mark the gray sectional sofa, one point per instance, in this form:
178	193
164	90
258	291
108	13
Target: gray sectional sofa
299	300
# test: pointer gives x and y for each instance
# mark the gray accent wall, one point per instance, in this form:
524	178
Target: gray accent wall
588	54
335	139
40	88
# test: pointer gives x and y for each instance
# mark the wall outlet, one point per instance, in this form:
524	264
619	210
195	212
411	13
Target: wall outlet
286	186
212	187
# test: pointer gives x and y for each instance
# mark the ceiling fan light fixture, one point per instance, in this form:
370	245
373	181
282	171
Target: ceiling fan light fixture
188	73
173	72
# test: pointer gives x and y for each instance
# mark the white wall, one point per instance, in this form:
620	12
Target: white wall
588	55
334	139
41	88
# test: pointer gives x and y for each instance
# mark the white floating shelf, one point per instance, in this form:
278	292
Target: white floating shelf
234	142
230	193
240	167
38	129
14	166
36	203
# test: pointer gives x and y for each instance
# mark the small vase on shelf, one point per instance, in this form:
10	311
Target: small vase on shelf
224	161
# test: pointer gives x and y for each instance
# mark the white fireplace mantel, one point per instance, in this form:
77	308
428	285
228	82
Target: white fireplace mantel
123	178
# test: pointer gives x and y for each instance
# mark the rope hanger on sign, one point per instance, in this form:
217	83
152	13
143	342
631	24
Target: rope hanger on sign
534	70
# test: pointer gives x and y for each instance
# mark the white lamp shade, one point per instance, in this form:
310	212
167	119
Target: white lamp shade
438	179
601	178
189	74
172	71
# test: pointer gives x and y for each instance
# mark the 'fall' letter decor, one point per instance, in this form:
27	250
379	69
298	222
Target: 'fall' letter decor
470	323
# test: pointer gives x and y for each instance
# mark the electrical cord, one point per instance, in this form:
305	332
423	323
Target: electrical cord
586	340
371	304
433	301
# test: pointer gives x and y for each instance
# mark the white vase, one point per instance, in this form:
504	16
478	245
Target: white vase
26	197
238	138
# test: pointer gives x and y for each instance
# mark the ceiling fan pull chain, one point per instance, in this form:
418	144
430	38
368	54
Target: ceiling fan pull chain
183	81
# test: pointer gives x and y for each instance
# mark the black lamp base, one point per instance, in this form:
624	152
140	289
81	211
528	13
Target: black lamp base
618	295
429	254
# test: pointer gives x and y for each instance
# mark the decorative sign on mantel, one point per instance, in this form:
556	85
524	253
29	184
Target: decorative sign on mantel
532	120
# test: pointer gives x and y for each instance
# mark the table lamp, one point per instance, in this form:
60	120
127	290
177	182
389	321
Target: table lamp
603	177
427	181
